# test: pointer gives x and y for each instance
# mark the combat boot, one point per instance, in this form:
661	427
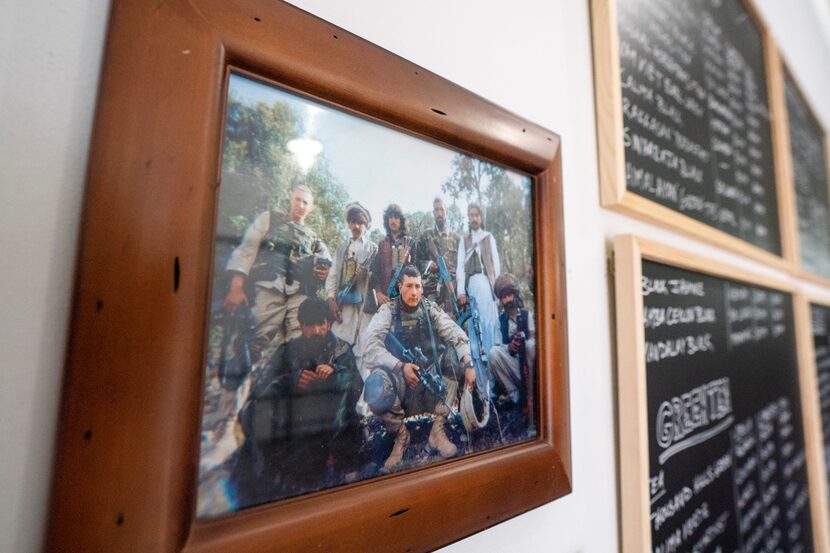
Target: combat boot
438	439
396	457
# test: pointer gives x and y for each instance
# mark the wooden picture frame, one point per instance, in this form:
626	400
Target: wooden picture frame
783	73
612	174
128	445
635	505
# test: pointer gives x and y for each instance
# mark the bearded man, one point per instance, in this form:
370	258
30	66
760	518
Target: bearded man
439	246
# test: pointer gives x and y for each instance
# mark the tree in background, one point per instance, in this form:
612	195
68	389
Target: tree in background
377	234
258	171
418	222
509	219
256	164
508	213
455	219
470	177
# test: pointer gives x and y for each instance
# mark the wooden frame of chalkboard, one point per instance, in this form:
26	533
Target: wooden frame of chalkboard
630	252
608	87
800	268
813	423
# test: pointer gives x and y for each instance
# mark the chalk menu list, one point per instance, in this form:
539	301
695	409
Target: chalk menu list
821	340
726	448
810	175
696	129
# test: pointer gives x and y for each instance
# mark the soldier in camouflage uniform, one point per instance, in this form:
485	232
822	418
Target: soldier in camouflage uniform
439	241
300	418
286	263
415	322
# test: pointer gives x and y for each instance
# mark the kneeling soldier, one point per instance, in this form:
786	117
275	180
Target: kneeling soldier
415	328
301	413
513	361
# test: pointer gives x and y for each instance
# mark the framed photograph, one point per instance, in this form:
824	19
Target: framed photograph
320	299
367	289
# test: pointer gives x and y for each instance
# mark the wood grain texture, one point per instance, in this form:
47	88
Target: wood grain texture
811	414
631	397
128	445
652	212
608	101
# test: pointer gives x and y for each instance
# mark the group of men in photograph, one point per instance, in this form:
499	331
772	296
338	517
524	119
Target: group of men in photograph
374	329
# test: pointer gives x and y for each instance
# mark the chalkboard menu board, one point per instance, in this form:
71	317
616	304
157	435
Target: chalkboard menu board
821	339
807	148
696	118
727	460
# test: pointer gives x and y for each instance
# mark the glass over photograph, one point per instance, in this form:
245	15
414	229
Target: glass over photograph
372	304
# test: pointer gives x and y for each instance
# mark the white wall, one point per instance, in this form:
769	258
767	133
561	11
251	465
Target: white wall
531	56
50	54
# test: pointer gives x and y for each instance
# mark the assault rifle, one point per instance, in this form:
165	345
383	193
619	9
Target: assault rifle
235	362
346	295
526	391
392	289
427	372
481	362
444	277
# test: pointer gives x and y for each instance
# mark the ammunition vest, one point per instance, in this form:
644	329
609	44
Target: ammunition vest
287	249
447	247
388	257
412	328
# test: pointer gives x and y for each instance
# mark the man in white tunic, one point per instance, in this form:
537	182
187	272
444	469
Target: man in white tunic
477	268
347	283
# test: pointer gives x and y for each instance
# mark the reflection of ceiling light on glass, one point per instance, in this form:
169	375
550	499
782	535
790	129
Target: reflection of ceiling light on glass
305	151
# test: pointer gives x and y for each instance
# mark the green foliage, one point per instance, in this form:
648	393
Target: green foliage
455	219
257	168
509	219
419	221
508	214
258	172
328	218
377	234
468	178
